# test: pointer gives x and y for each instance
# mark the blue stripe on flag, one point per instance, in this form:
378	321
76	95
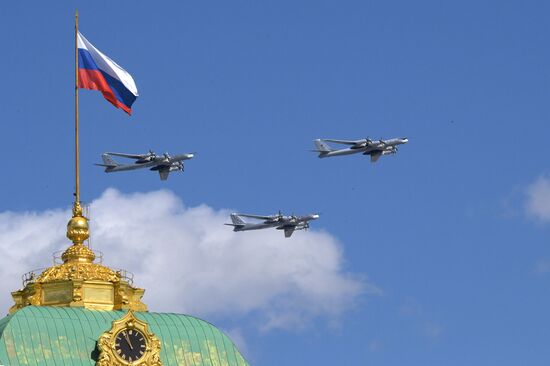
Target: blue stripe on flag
119	90
85	60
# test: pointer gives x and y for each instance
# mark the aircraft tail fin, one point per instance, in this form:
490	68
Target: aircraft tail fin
322	147
237	220
108	160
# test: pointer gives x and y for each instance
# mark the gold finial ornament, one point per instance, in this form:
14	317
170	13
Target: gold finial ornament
78	231
77	228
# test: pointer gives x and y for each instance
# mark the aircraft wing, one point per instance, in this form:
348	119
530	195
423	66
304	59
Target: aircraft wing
129	156
164	173
345	142
375	156
289	230
257	216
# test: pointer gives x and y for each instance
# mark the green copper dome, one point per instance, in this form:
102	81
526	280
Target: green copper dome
67	336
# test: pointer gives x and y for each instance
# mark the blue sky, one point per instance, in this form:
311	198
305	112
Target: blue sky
443	229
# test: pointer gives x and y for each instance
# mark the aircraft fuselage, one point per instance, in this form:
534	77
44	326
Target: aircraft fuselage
287	223
367	148
155	164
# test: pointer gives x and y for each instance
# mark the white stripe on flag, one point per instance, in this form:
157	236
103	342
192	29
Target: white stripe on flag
107	65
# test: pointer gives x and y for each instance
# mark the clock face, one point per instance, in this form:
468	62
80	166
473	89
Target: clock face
130	344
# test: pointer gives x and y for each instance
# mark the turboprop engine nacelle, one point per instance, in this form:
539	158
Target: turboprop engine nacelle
144	160
174	168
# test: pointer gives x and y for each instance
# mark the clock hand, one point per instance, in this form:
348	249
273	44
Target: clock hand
128	340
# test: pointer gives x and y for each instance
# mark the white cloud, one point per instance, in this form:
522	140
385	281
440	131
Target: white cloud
538	199
189	262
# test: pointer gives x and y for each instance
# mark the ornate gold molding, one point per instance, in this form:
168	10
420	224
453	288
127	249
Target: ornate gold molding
78	271
107	346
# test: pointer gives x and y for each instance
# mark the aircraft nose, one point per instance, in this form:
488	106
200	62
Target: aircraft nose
405	140
190	156
315	216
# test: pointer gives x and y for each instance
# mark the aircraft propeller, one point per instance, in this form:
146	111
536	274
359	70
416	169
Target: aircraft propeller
146	158
274	218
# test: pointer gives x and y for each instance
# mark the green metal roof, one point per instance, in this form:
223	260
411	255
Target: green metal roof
67	336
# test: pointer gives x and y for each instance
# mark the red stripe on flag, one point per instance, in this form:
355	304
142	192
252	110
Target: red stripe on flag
94	80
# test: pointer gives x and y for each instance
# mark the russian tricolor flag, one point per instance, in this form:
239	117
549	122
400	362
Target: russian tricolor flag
98	72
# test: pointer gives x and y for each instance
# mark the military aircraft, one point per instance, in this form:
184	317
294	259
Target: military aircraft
164	163
374	148
281	222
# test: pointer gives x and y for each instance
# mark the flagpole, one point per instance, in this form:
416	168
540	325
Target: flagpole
77	165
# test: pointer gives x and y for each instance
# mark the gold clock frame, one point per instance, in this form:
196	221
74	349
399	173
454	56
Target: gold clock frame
106	344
